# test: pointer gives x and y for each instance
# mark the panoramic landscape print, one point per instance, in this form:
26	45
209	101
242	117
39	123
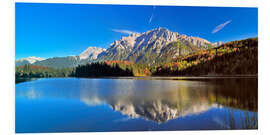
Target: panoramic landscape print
105	68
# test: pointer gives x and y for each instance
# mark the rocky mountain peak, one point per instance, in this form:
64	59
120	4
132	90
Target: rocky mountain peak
91	52
160	37
160	33
127	42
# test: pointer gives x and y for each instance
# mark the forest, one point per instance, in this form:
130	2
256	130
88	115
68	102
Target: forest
101	69
32	71
233	58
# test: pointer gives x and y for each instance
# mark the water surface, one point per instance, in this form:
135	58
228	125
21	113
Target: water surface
130	104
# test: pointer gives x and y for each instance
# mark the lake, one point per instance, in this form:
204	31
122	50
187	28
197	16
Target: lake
135	104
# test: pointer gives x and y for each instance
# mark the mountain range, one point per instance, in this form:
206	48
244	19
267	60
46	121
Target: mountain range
29	60
154	46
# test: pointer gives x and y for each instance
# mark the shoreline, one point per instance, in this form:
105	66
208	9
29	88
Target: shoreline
207	77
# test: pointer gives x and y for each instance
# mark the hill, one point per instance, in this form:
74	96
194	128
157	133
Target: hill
233	58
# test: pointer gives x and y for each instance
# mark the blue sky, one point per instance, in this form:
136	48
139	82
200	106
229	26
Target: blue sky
55	30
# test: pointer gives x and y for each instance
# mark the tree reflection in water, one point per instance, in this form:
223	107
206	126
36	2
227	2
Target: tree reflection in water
161	100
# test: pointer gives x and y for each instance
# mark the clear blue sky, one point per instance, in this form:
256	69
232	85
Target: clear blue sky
48	30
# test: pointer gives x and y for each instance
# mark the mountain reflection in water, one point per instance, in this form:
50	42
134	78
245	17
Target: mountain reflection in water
155	100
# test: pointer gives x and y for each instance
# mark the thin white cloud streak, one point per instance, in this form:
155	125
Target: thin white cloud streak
220	27
152	15
124	31
150	19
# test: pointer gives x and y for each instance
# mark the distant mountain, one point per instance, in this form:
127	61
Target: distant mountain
151	46
29	60
154	46
91	53
59	62
64	62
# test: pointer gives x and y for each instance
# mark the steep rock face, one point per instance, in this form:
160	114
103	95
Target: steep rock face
199	42
218	43
154	39
29	60
91	53
148	46
119	50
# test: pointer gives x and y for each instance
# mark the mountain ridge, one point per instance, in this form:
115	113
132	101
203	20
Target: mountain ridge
28	60
151	47
147	46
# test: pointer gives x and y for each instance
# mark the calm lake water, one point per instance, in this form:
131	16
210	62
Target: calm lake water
130	104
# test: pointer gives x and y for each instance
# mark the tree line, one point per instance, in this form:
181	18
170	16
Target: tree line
100	69
33	71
